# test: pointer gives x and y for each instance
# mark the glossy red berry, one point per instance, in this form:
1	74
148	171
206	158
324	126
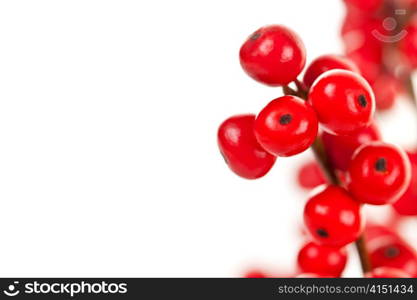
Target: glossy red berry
407	204
310	175
325	63
343	100
273	55
333	218
340	149
385	272
240	149
315	258
286	126
379	173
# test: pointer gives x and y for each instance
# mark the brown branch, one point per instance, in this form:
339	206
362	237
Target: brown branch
323	160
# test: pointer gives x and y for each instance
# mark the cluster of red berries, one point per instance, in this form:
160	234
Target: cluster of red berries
390	255
380	37
332	98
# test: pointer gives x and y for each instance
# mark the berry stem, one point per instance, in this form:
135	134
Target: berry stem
411	90
363	254
321	157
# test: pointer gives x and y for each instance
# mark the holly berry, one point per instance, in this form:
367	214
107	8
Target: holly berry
340	149
407	204
379	173
273	55
385	272
325	63
333	218
256	274
368	6
386	89
387	249
240	149
286	126
310	175
343	100
311	275
392	253
315	258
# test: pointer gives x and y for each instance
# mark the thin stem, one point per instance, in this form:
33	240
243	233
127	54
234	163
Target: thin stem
322	158
289	91
363	254
411	90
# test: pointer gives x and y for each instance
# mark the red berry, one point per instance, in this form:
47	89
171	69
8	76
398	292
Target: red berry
333	218
286	126
310	175
366	5
240	149
370	70
340	149
385	272
374	232
273	55
407	204
386	89
325	63
314	258
343	100
311	275
378	174
255	274
389	252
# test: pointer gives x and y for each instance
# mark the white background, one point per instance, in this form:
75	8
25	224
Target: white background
108	157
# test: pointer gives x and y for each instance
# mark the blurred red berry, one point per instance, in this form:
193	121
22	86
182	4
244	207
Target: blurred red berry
386	89
340	149
315	258
312	275
368	6
286	126
370	70
374	232
378	174
407	204
240	149
325	63
387	249
255	274
343	100
385	272
273	55
310	175
333	218
387	252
